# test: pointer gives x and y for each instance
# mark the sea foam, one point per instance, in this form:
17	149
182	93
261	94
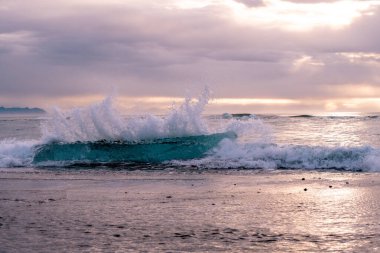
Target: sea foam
16	153
233	155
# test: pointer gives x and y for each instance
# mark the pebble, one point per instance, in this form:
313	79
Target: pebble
303	178
305	189
169	197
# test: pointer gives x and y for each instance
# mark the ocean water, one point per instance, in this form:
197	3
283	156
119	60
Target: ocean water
101	135
92	179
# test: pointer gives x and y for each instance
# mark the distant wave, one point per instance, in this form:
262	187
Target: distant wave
238	115
302	116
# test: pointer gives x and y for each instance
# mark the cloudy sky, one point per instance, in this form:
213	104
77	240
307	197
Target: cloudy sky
255	55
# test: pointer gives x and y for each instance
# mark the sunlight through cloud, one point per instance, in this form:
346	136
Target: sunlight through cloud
289	15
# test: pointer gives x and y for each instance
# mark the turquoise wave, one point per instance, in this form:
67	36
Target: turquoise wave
152	151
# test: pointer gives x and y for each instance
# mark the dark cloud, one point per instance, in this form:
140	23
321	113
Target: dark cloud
252	3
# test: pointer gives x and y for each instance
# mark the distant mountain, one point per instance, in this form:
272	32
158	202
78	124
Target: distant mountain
20	110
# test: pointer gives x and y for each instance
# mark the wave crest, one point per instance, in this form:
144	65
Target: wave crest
103	121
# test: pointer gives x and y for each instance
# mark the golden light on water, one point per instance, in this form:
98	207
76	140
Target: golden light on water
343	106
336	208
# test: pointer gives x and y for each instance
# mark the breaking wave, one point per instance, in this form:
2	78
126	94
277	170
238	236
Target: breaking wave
99	133
153	151
233	155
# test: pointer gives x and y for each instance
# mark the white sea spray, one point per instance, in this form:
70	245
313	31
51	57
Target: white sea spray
103	121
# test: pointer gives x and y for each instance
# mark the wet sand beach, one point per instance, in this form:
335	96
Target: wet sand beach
188	211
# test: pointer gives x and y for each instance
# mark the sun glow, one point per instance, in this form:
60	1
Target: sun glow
253	101
193	4
301	17
289	15
361	56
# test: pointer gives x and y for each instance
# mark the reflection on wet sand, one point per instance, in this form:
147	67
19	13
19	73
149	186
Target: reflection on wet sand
189	212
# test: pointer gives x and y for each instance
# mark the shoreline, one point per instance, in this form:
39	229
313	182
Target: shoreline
180	211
